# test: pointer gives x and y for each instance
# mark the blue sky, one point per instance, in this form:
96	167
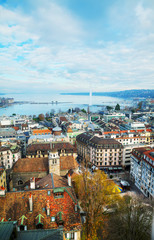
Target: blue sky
75	45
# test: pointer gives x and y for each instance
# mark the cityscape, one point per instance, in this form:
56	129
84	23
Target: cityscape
76	120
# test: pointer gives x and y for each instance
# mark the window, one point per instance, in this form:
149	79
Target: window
49	193
20	182
22	227
52	219
58	195
39	226
72	235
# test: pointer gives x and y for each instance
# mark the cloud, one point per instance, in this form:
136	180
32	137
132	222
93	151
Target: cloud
48	47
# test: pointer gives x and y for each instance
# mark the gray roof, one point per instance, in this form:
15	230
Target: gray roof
6	229
54	234
87	138
57	129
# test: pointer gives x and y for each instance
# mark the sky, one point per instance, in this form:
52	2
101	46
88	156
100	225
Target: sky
76	45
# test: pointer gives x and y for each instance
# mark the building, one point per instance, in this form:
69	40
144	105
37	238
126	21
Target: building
108	117
43	131
131	139
142	170
25	168
9	155
3	178
61	164
56	158
106	154
49	203
37	150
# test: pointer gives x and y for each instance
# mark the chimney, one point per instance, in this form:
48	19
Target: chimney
2	191
32	183
76	207
30	203
48	208
69	180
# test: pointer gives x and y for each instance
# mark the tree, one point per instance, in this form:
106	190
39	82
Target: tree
117	107
109	108
95	192
47	115
131	220
41	117
83	110
140	105
52	112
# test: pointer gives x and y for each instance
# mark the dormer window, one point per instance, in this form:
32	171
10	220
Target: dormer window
58	192
59	219
39	221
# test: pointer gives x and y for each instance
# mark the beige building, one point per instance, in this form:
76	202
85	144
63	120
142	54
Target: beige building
106	154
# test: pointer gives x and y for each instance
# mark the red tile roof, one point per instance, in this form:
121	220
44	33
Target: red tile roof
16	204
31	165
67	163
16	128
48	181
63	119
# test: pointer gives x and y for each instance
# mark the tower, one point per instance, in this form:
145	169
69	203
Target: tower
54	163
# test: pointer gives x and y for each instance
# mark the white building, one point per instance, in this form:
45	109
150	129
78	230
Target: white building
9	155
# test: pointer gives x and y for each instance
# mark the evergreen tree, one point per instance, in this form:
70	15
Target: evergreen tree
117	107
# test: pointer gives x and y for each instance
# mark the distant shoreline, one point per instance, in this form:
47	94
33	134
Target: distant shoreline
31	102
119	94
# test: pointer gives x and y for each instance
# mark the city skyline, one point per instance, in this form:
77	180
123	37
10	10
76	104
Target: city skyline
74	46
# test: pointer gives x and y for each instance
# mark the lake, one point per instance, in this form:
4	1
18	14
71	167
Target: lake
66	102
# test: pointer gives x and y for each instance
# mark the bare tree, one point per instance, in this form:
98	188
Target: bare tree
131	221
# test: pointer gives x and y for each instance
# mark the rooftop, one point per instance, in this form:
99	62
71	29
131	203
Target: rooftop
31	165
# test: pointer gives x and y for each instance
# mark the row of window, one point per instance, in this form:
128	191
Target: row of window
100	163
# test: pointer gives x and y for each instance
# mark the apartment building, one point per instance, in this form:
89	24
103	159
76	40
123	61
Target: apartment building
142	170
131	139
9	155
106	154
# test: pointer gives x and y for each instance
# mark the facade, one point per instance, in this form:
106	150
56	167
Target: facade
44	131
103	153
25	168
108	117
37	150
142	170
9	155
131	139
3	183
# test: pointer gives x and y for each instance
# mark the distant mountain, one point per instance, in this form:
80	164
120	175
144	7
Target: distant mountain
139	93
